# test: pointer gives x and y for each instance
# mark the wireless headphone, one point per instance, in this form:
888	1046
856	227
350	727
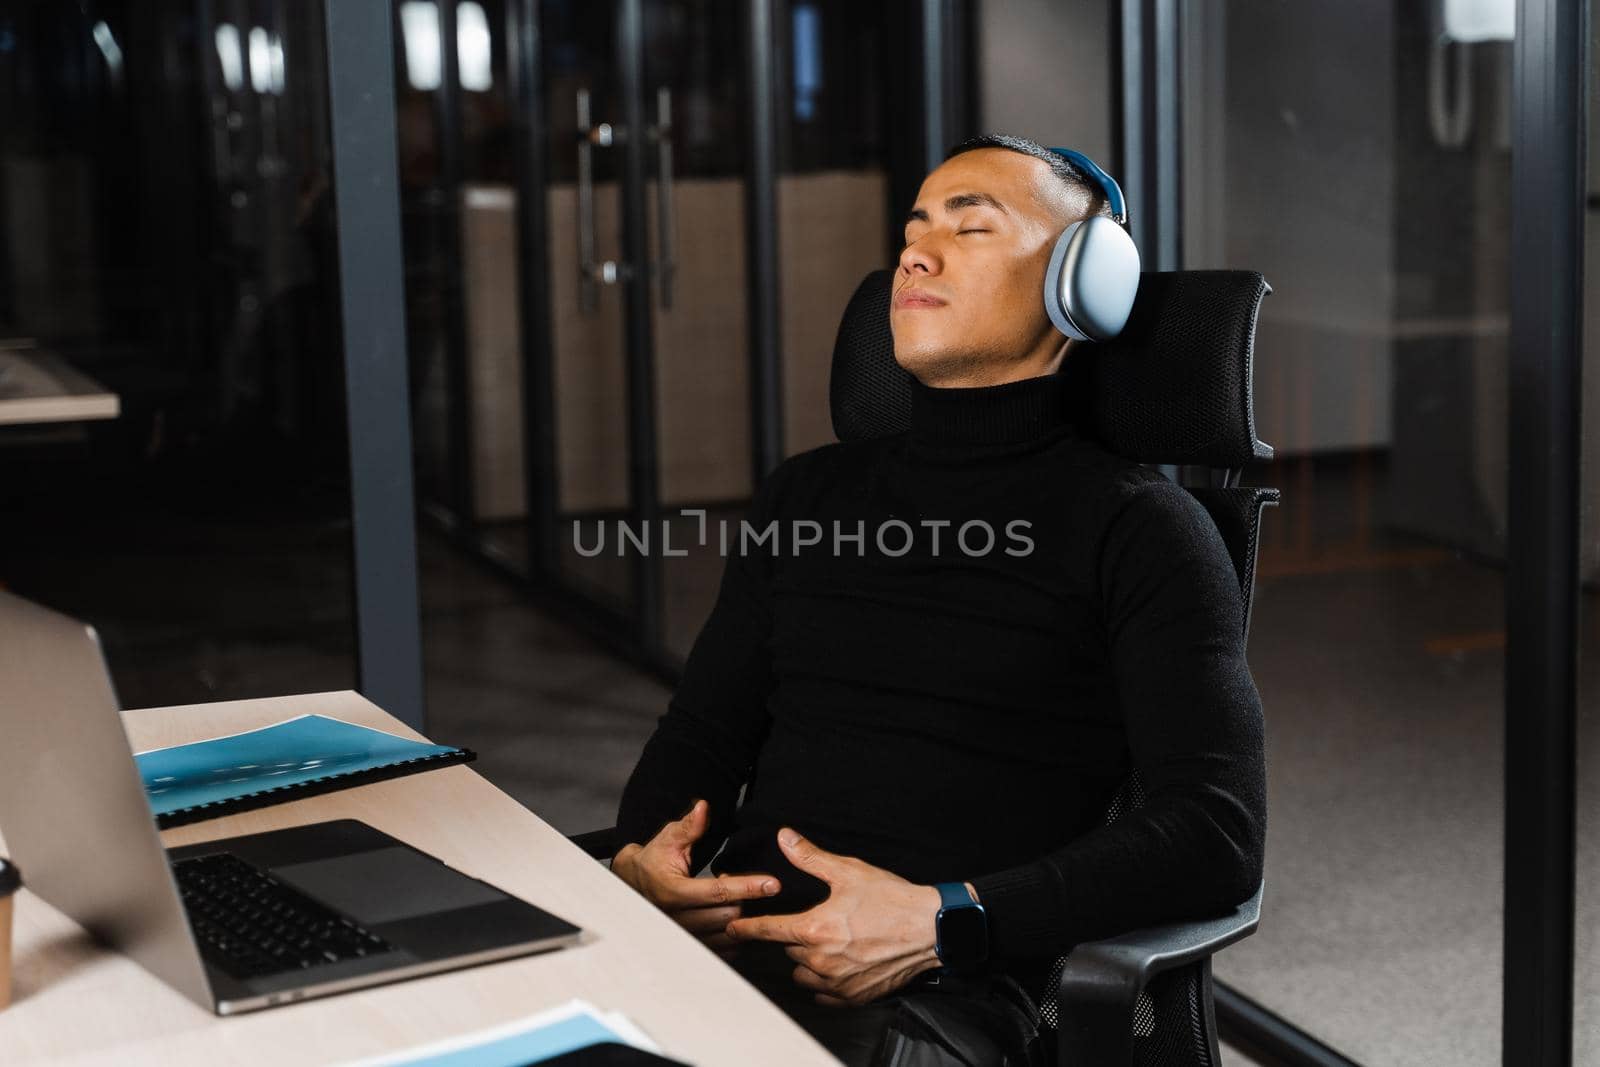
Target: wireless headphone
1094	267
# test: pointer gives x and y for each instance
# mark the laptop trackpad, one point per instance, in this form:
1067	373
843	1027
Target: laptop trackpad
385	885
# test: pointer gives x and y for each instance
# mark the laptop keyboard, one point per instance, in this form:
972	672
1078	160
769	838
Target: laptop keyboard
250	924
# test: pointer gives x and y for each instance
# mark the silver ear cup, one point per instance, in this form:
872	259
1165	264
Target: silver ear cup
1054	304
1092	279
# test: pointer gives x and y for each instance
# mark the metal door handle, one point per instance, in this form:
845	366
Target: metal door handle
665	265
591	274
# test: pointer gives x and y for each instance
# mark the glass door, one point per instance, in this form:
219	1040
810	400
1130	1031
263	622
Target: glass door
583	400
700	304
651	294
582	374
648	334
589	365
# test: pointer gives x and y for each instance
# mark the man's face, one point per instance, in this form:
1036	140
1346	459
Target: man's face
968	306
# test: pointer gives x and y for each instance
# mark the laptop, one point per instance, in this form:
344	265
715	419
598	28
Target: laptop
237	924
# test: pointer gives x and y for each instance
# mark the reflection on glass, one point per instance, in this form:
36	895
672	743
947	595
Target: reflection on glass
266	61
420	39
472	47
231	55
419	29
1470	21
108	48
807	60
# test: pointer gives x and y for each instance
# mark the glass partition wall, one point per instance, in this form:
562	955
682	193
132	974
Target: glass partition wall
1359	157
1408	632
167	249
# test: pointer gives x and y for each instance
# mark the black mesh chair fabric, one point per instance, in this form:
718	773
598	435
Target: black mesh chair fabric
1237	512
1173	388
1174	1024
1173	1020
1182	1027
868	392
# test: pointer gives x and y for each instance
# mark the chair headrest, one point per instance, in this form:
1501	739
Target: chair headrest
1174	387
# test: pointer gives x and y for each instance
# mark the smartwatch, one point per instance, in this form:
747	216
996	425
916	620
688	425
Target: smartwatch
961	928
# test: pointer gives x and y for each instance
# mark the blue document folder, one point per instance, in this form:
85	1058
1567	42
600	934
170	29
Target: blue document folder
286	761
574	1033
519	1049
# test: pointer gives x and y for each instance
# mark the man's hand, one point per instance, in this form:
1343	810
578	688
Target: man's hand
873	934
660	872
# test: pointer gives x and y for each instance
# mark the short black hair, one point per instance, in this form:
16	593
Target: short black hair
1086	192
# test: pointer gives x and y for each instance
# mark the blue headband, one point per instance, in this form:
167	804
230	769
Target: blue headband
1113	191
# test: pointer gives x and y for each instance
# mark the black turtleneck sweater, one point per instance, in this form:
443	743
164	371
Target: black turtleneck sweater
951	714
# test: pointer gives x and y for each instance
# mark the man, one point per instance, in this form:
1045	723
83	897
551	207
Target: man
938	715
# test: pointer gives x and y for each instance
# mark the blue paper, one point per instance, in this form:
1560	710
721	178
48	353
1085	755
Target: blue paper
575	1025
299	750
530	1046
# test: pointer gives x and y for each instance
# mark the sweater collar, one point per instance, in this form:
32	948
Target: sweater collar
1012	413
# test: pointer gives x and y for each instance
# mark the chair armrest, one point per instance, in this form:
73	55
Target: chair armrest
601	844
1101	981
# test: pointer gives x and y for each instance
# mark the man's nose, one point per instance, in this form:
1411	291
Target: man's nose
920	257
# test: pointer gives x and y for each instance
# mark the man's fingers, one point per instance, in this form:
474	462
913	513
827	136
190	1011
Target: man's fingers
721	944
780	928
803	955
706	920
690	828
806	978
809	858
830	1002
724	889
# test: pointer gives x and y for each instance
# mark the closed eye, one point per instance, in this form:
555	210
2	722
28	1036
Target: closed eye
959	232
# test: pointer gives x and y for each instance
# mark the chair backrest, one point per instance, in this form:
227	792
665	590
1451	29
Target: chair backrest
1174	389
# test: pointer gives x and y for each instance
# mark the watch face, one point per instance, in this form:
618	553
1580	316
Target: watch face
963	936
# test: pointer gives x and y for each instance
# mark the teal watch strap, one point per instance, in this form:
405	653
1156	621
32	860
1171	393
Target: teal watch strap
954	895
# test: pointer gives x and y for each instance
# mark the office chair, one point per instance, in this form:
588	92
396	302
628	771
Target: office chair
1173	389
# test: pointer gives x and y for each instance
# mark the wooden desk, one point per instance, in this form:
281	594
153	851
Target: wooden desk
38	386
77	1003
